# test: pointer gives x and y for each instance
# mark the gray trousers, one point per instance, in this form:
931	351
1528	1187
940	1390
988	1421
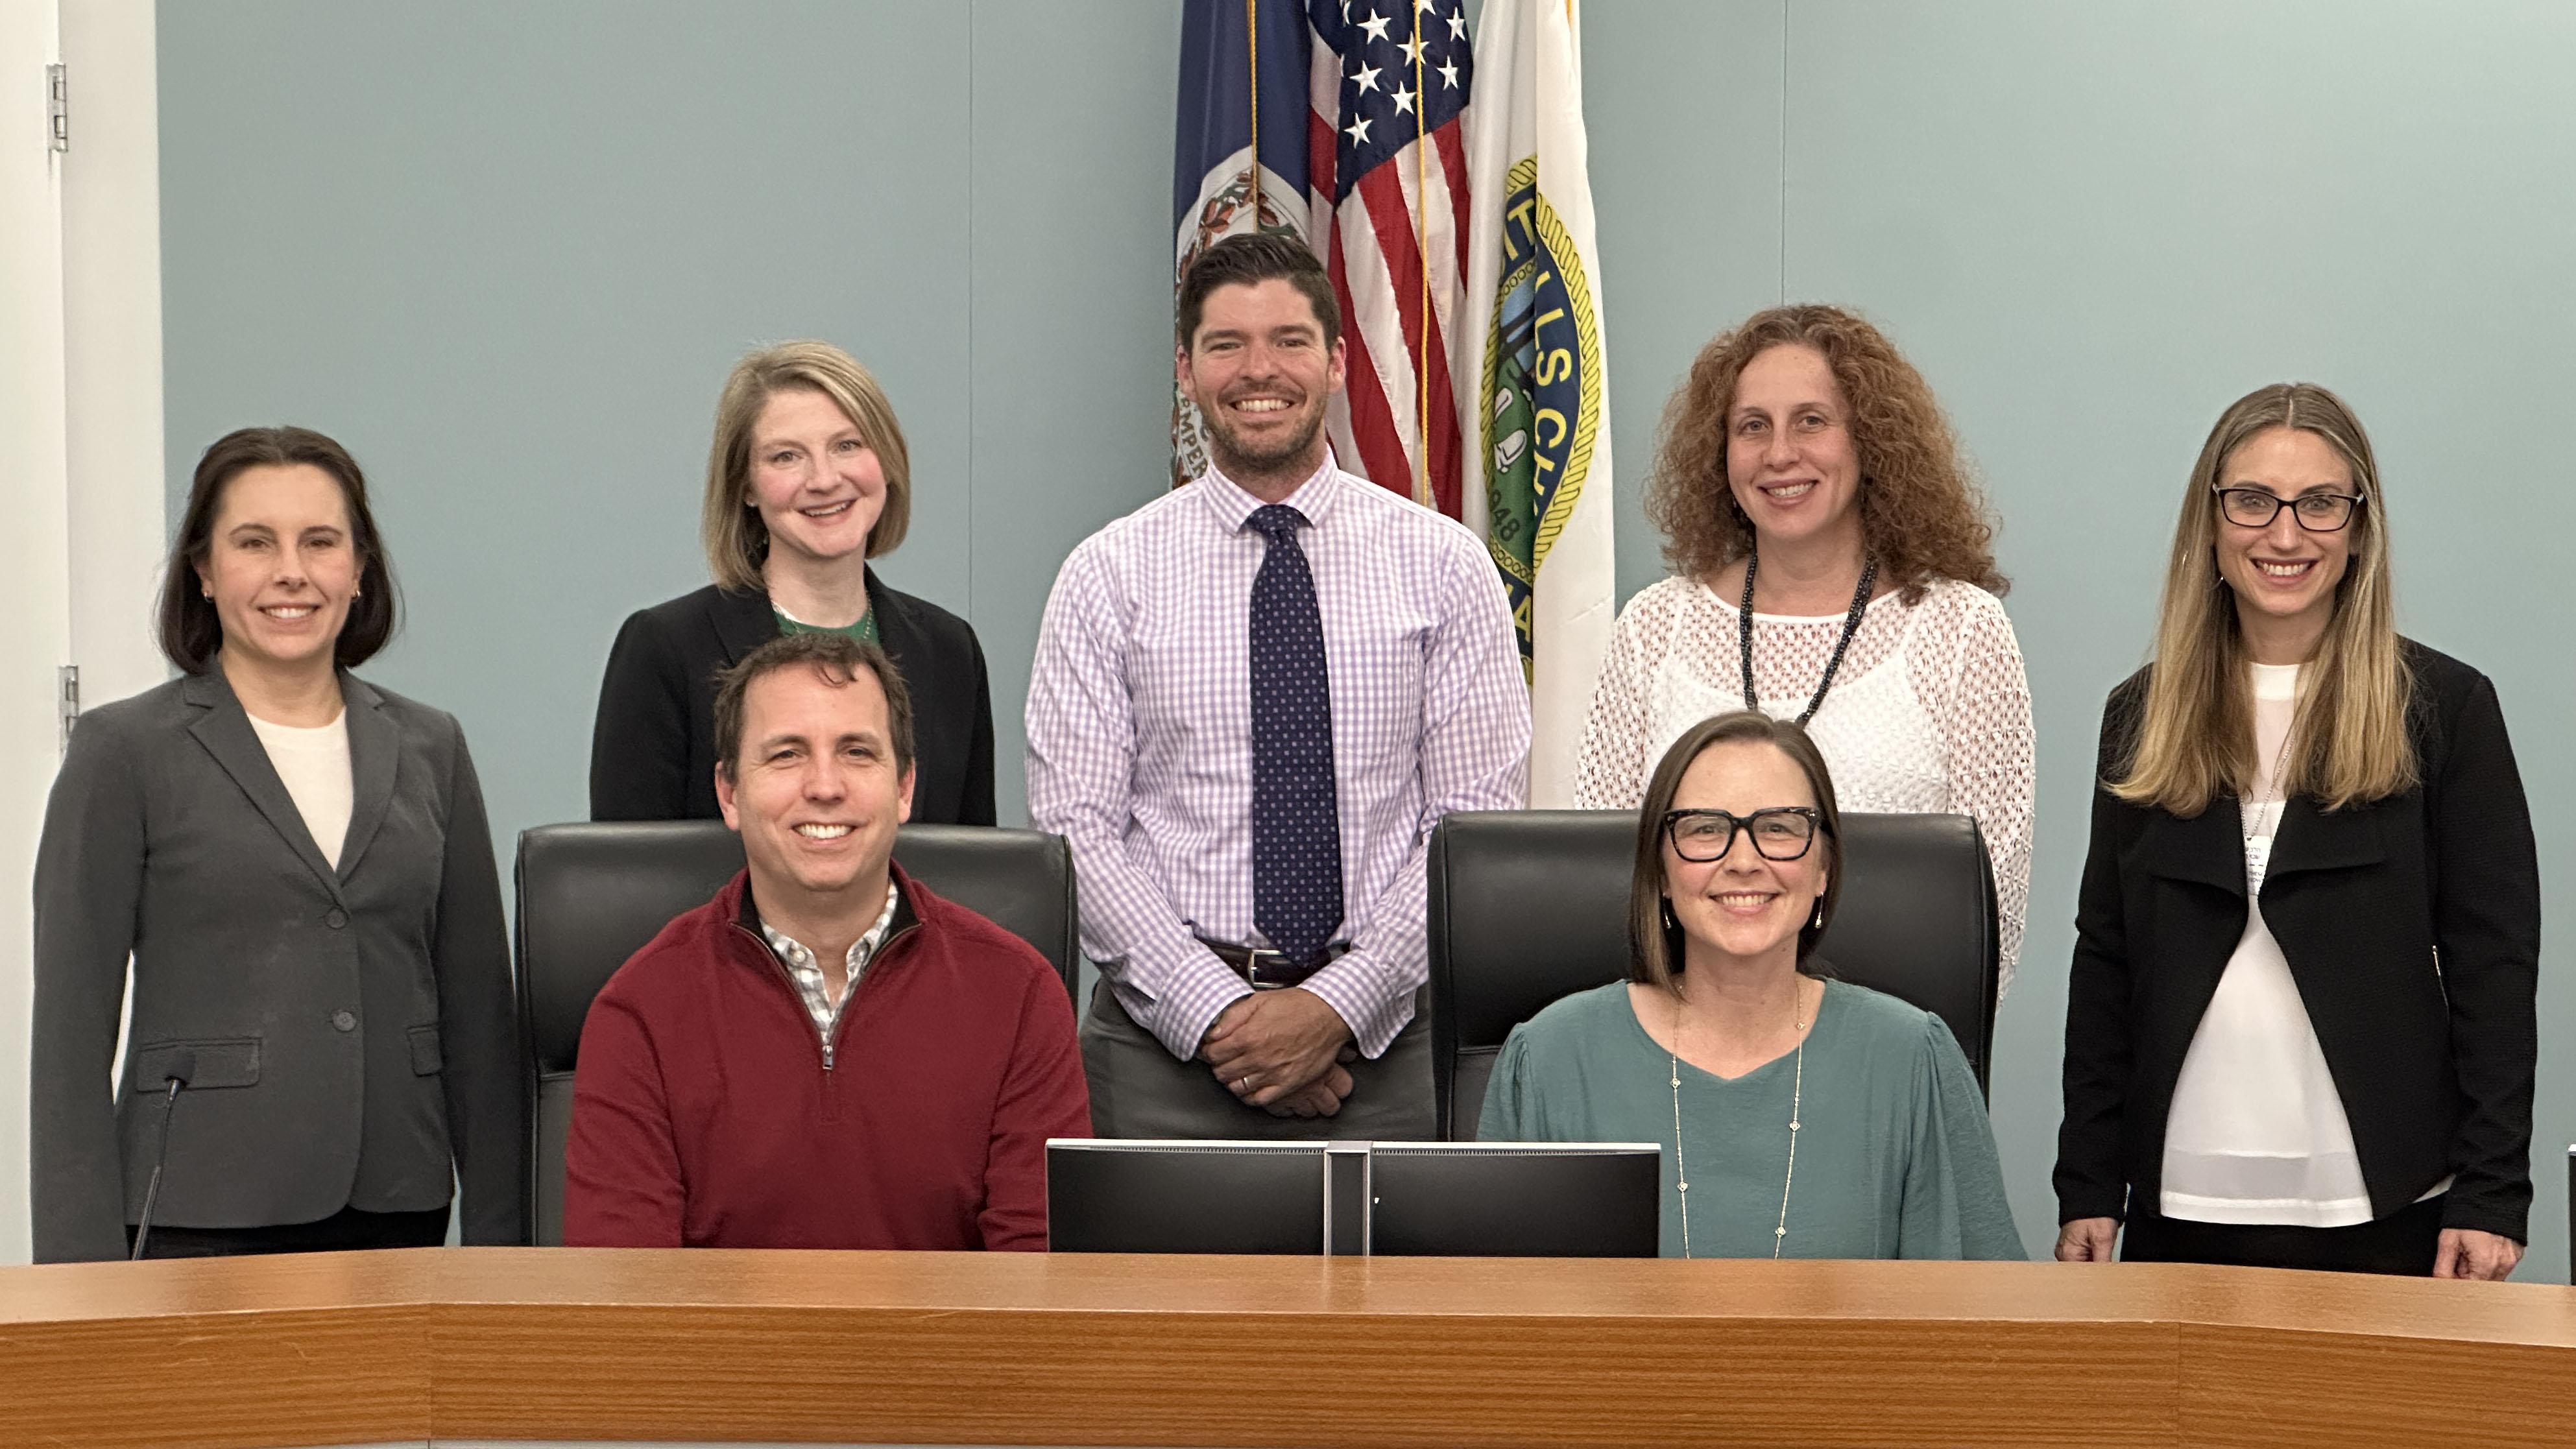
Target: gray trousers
1138	1089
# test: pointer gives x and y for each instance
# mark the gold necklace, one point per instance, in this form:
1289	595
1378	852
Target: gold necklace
1797	1093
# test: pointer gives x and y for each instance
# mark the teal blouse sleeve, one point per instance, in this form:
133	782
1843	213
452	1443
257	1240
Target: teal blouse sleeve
1505	1118
1953	1204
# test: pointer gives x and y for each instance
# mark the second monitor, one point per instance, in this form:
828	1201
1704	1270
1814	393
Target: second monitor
1467	1199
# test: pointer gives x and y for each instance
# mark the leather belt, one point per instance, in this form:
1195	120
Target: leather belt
1265	969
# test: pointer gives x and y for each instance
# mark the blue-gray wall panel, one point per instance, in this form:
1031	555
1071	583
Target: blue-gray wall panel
2094	227
507	252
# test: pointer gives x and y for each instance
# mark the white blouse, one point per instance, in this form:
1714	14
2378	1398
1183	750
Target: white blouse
314	766
2257	1132
1929	711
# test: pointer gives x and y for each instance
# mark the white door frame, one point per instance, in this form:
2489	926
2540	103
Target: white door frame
80	440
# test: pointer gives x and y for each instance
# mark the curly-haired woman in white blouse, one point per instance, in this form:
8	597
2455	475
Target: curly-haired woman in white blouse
1808	485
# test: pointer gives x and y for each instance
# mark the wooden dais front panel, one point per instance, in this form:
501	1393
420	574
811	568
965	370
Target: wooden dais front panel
522	1343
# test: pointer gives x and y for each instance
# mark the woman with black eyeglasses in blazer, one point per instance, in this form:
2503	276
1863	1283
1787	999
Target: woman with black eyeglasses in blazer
2300	1027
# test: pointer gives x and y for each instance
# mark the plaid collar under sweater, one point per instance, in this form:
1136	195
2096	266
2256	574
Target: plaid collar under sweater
807	972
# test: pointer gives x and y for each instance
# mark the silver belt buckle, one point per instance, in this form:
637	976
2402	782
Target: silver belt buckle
1252	967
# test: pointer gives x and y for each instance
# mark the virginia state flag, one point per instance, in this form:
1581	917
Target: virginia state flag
1534	403
1239	148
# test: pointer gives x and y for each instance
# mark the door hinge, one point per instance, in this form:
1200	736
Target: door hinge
58	109
69	703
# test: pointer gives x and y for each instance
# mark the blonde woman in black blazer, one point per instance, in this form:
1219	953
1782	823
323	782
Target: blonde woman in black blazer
807	479
299	865
2300	1027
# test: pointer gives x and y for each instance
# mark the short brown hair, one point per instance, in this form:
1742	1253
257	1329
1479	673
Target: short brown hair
1921	517
191	631
1654	946
1249	258
836	659
737	541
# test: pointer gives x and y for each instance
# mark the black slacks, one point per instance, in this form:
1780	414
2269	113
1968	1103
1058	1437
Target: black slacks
2401	1243
344	1230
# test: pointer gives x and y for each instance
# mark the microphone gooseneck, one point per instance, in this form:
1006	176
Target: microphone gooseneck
182	1066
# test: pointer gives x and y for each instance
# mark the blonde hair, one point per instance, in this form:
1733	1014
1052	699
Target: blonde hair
2348	745
736	538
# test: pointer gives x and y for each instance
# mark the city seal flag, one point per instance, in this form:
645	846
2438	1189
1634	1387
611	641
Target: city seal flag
1537	472
1542	384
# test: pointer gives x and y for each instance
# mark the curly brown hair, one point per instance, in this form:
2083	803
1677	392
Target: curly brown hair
1922	515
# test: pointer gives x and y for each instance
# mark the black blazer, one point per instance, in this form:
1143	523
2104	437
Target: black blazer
653	749
352	1028
2411	925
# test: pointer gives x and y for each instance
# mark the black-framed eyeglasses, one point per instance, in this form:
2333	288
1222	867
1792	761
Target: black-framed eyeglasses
1781	832
2316	512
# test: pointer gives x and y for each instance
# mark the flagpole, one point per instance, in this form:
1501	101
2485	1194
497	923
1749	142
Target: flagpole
1252	60
1422	258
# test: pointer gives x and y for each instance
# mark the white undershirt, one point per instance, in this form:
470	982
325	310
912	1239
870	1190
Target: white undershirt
2257	1133
314	764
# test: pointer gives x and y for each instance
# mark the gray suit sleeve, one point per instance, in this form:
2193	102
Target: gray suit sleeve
487	1119
88	888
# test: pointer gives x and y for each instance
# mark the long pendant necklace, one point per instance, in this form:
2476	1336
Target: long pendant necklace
1851	624
1797	1094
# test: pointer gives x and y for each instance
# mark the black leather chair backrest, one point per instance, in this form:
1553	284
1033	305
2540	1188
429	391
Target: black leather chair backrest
1530	905
592	894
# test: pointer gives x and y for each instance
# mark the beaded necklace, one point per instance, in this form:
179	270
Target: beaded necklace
1797	1094
1851	624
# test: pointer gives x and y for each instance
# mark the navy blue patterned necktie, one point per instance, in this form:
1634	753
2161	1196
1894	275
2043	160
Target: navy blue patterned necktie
1296	820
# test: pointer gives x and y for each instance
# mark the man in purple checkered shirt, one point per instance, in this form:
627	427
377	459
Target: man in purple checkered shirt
1142	718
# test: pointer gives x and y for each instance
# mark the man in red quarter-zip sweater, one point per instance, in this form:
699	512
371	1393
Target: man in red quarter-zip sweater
826	1055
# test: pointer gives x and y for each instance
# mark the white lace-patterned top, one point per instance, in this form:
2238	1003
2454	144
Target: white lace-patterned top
1929	712
2257	1131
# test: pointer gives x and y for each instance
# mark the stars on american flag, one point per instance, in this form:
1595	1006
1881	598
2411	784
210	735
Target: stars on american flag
1406	69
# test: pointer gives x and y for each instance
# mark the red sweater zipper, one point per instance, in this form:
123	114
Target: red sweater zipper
779	972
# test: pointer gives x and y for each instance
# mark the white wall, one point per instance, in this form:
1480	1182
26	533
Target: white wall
34	547
80	441
112	336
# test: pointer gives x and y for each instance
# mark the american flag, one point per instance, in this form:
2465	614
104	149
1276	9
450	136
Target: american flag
1388	213
1385	170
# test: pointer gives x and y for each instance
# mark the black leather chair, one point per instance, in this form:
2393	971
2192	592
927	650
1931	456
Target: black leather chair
1530	905
591	895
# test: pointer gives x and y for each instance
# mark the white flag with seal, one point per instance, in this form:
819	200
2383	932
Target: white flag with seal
1535	414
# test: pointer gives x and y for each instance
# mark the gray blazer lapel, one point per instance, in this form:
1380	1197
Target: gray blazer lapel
375	755
224	729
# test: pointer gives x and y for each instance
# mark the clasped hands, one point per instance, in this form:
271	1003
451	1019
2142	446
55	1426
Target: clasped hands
1282	1051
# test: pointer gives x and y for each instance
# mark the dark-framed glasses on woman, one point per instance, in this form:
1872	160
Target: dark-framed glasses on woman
2316	512
1781	832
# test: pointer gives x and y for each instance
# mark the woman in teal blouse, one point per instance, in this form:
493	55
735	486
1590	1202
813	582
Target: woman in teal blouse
1812	1118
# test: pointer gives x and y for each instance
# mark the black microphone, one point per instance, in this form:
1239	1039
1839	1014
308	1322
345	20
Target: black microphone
182	1066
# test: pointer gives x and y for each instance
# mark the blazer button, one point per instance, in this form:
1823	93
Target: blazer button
335	921
345	1020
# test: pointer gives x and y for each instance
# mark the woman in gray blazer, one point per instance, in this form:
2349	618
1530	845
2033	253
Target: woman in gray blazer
298	864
